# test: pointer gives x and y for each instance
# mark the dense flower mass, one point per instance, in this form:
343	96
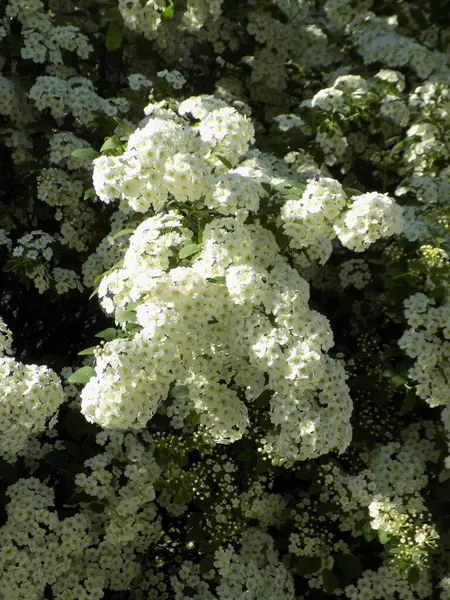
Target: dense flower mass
225	270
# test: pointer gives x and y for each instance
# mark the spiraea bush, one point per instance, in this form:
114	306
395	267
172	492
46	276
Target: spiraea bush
225	311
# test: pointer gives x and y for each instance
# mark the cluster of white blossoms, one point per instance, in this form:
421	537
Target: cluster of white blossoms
168	156
149	17
80	556
42	40
386	583
377	40
370	217
309	220
427	341
354	272
255	572
324	212
29	397
217	326
233	319
75	96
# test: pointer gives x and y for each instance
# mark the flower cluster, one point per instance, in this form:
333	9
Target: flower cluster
29	397
427	341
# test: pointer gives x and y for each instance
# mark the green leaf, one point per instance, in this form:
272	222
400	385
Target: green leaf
399	380
168	12
111	144
89	193
444	475
383	536
306	565
85	153
82	375
224	161
180	391
413	575
349	564
114	36
330	581
207	564
120	233
352	192
409	401
87	351
189	250
107	334
126	316
218	279
112	14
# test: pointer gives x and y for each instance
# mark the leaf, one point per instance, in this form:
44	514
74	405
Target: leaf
89	193
87	351
120	233
107	334
413	575
409	402
85	153
168	12
189	250
330	581
180	391
399	380
305	565
207	564
113	14
114	36
218	279
383	536
444	475
111	144
352	192
82	375
224	161
349	564
125	316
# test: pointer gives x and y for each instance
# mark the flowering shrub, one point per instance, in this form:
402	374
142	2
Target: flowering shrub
224	332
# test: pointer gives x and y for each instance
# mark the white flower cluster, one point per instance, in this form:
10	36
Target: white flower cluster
29	397
148	18
8	96
43	41
321	214
61	146
378	41
218	336
309	220
167	156
136	81
174	78
370	217
354	272
76	96
130	518
427	341
79	557
65	280
57	188
386	584
388	489
253	573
